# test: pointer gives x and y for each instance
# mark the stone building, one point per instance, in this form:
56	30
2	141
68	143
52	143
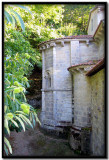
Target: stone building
73	85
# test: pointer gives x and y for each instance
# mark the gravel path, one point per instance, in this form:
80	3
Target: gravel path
35	143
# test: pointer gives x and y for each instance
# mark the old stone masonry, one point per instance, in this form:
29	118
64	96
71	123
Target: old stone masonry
73	86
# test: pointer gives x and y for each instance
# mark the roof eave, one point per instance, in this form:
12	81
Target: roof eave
65	39
99	66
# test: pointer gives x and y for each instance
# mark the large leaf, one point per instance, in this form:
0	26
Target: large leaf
14	123
25	119
8	17
21	112
9	89
8	144
6	149
24	8
6	125
20	19
21	122
37	119
13	21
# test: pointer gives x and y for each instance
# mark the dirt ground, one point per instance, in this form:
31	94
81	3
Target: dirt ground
35	143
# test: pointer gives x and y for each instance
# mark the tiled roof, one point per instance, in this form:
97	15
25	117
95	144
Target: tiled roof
82	64
70	37
96	68
78	37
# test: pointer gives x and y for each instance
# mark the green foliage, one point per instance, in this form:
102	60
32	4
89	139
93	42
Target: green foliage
7	146
78	16
11	16
49	21
19	60
42	25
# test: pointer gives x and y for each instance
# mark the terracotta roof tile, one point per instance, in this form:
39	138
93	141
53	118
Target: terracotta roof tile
79	37
99	65
70	37
81	64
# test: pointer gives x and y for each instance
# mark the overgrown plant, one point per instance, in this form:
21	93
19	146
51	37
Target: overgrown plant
19	59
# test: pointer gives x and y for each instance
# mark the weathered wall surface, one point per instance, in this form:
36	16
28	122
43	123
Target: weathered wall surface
81	52
82	100
49	105
47	93
88	52
97	100
62	84
75	52
57	98
101	49
63	106
48	58
96	17
62	62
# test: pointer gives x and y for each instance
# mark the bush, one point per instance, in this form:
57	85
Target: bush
19	60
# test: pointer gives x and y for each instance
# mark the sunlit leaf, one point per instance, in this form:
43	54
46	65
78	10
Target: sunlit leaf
24	8
8	144
8	16
20	19
26	119
21	122
6	125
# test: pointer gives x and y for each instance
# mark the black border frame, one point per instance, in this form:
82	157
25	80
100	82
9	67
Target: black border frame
106	78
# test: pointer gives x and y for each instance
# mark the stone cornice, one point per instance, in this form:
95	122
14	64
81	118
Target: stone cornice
51	89
53	43
80	69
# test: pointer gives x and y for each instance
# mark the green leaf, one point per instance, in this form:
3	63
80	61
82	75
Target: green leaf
27	84
24	8
6	125
20	19
37	119
14	123
24	97
21	112
8	144
13	21
9	89
7	81
6	150
8	17
22	124
9	115
26	119
33	119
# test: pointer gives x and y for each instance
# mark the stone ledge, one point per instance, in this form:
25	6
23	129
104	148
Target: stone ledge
47	90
